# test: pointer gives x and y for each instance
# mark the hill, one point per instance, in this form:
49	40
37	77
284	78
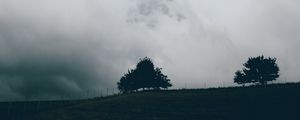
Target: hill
281	101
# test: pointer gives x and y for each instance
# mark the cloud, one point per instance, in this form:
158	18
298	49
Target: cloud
149	12
59	48
55	48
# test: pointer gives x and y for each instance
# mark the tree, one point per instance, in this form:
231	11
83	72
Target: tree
144	76
257	70
239	77
126	83
145	73
161	80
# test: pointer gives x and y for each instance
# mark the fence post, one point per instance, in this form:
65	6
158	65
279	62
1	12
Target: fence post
87	94
107	92
98	92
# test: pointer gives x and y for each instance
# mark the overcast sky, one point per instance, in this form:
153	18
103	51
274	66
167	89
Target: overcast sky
63	47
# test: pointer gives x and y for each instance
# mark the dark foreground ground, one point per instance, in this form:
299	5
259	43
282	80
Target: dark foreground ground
273	102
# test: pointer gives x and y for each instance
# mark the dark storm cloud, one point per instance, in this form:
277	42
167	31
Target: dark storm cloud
52	48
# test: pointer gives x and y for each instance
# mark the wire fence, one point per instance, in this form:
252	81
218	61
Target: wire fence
17	108
20	108
98	93
87	94
104	92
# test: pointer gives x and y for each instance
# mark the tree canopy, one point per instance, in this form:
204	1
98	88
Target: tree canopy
144	76
257	70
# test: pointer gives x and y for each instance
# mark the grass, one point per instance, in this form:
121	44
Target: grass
279	101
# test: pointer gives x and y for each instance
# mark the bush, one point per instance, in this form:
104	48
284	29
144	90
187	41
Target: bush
144	76
258	70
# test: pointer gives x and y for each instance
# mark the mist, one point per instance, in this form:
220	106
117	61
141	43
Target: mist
55	48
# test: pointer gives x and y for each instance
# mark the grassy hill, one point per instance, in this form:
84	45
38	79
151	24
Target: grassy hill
280	102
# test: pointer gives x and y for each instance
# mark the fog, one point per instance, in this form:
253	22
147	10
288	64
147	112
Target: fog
52	48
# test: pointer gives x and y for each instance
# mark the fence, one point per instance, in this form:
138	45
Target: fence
16	109
20	108
87	94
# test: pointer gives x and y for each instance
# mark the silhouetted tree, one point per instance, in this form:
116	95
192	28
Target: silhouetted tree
257	70
239	77
127	82
144	76
145	73
161	80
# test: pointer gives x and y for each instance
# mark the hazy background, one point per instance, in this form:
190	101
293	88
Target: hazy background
52	48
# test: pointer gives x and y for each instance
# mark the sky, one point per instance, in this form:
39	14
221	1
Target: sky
54	48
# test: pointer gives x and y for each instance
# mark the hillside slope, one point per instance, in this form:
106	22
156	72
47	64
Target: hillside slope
271	102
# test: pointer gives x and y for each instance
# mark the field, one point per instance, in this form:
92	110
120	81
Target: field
278	101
